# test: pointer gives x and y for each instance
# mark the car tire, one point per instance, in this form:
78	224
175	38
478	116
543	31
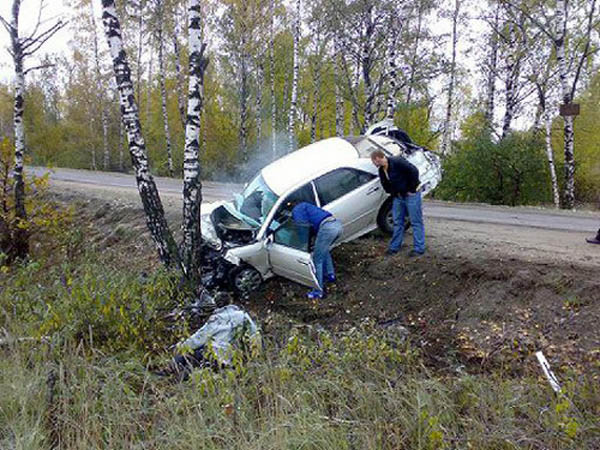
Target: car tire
385	219
245	280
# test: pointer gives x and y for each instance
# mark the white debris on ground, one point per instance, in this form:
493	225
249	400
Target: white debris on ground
223	328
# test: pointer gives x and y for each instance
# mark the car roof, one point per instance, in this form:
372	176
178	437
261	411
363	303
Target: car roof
307	163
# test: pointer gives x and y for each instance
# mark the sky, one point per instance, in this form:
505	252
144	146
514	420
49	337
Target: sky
59	43
28	17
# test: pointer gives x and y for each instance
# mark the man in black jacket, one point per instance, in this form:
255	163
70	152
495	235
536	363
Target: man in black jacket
400	179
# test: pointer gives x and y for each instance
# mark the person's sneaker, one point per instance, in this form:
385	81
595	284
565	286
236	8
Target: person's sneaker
414	253
593	240
389	252
330	278
315	294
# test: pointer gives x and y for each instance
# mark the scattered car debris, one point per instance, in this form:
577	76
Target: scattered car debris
548	372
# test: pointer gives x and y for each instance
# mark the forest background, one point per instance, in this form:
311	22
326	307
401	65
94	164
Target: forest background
480	83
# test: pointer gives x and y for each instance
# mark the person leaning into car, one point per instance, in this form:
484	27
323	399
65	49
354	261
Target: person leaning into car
328	230
400	179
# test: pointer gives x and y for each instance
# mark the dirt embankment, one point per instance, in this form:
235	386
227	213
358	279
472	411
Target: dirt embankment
472	302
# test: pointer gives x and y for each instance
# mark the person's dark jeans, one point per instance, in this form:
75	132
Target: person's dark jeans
411	205
326	236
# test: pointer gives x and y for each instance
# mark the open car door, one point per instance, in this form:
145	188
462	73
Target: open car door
289	256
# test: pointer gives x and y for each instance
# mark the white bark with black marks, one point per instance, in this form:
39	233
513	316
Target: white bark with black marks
272	79
448	126
550	156
155	216
296	70
492	70
101	97
161	81
510	79
178	71
20	49
260	79
192	186
339	99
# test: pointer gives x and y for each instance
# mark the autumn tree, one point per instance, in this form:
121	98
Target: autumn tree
21	49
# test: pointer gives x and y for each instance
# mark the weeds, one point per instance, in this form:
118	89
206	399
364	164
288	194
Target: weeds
87	384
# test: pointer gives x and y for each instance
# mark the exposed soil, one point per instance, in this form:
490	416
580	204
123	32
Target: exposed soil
478	299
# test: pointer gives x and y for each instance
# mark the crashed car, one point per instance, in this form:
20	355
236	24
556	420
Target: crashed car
253	237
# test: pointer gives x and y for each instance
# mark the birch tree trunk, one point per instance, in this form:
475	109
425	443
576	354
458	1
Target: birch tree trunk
415	54
550	156
192	186
121	165
244	95
392	68
272	76
339	100
100	92
149	91
21	235
140	48
491	76
511	80
260	75
559	43
163	89
293	104
446	141
155	216
178	71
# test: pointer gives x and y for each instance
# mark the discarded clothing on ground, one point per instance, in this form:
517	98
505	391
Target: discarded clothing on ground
226	330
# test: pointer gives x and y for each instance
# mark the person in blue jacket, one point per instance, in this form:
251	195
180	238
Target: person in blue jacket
328	229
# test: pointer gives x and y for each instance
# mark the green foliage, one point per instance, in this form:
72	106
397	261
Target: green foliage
43	215
512	171
586	147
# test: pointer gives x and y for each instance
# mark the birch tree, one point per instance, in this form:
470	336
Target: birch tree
296	68
159	9
568	26
21	48
192	187
272	77
155	216
101	90
446	141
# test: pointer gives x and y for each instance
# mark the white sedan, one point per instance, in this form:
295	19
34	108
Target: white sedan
253	232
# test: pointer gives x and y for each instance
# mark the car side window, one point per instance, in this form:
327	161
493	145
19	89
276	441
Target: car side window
293	235
334	185
284	211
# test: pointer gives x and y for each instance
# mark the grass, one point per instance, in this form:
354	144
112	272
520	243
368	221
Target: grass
87	385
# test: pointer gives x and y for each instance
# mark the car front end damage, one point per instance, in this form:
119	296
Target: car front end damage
224	239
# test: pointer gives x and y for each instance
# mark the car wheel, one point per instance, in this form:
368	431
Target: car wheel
385	218
246	279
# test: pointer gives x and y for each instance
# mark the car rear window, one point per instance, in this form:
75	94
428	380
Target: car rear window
338	183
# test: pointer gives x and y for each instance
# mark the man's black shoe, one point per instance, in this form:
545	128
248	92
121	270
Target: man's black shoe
414	253
389	252
593	240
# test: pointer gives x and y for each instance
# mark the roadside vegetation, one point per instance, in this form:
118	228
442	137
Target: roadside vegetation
97	329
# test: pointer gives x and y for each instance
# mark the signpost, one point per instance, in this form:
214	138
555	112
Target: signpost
569	109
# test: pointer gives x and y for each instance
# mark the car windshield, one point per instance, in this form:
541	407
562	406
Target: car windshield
254	204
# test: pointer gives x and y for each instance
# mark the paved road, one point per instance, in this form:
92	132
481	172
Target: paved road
581	221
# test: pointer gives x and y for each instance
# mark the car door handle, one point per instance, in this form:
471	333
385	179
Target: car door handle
373	189
302	261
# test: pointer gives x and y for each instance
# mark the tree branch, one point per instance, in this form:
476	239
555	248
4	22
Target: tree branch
42	38
586	51
42	66
6	24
